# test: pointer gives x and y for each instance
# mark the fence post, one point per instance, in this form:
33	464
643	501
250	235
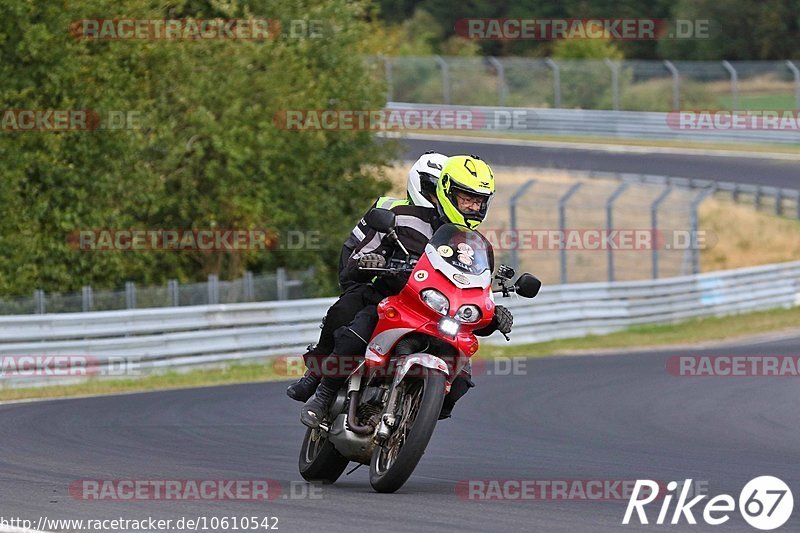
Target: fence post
654	222
387	66
796	74
280	279
87	298
249	291
512	205
556	82
213	289
797	205
610	224
694	226
779	202
676	85
38	299
172	292
614	66
502	87
734	85
562	224
757	198
445	78
130	295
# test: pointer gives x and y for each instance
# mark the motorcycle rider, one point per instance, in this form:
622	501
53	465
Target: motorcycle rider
463	192
421	189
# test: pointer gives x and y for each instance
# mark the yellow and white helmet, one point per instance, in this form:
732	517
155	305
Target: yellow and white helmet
465	190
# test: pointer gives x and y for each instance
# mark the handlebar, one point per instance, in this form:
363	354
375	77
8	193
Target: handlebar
390	270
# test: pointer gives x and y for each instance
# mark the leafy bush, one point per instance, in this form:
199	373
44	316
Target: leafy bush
207	153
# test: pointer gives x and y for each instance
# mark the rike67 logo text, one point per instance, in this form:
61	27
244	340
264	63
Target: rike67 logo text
765	503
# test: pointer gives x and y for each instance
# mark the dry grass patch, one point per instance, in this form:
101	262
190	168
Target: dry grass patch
745	237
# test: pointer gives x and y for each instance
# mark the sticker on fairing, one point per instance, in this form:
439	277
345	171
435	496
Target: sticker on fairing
445	251
464	248
461	279
465	253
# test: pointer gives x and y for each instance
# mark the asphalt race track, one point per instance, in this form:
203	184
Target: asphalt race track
611	417
772	172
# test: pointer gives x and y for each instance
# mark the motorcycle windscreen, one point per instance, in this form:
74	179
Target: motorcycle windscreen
464	249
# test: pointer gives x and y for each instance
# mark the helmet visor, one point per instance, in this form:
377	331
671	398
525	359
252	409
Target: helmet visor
428	183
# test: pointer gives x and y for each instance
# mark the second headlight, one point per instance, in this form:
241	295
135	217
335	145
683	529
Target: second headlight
468	314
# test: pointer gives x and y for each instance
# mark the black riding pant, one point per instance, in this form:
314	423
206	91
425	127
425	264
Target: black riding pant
342	313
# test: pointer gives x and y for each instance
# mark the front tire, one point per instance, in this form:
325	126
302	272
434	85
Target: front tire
319	460
392	464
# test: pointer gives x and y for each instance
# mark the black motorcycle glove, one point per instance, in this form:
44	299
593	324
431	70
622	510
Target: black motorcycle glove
504	319
372	261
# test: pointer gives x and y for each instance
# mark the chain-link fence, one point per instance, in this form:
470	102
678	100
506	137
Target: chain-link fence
581	227
632	85
280	285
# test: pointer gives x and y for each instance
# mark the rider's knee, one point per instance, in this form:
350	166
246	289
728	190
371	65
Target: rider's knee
348	341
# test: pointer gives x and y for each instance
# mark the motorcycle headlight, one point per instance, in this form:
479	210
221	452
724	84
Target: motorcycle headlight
468	314
448	326
436	301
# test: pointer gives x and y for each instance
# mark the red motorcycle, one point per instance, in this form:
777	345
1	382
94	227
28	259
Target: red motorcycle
385	413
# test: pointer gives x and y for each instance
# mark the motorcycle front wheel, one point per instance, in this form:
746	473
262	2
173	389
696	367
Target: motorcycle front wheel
419	404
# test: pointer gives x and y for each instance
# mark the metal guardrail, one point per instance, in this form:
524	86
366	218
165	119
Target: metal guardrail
278	285
594	123
180	338
595	308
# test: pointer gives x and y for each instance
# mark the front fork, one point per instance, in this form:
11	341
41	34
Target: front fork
404	364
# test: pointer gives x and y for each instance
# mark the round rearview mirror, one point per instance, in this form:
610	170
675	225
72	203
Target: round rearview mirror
527	285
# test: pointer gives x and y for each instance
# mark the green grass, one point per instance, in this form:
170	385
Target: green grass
687	332
235	373
777	101
693	331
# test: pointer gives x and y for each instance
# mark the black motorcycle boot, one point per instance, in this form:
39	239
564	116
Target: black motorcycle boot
314	410
303	389
458	388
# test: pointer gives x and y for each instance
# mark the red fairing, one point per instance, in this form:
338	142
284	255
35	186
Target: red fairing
406	310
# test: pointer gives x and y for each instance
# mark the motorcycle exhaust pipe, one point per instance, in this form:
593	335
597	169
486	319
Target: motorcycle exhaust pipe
352	420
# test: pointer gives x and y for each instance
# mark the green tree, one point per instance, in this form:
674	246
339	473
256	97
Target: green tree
208	152
738	29
585	76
